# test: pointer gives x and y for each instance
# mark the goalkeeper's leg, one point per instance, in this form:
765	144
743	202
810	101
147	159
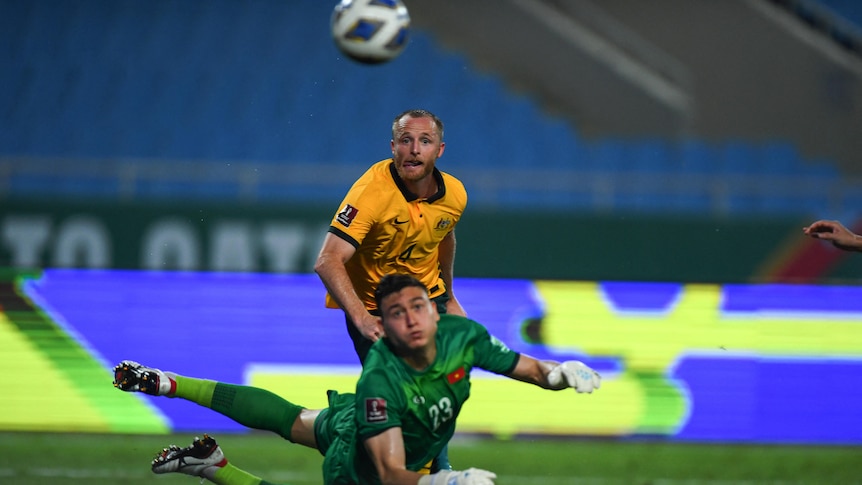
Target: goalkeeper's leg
203	458
250	406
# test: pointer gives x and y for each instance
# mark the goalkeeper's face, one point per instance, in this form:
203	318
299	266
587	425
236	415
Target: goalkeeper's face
409	319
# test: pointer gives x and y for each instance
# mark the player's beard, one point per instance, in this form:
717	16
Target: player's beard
414	173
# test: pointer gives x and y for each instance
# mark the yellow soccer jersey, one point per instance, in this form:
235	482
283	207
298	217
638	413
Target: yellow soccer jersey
395	231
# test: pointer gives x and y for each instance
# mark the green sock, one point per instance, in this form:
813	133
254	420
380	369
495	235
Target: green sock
231	475
255	408
249	406
198	391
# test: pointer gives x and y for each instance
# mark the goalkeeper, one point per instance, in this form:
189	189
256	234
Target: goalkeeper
408	397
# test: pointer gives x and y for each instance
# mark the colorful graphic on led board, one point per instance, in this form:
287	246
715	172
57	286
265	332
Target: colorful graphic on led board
765	363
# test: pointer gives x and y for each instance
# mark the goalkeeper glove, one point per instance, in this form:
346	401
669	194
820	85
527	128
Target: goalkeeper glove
575	374
470	476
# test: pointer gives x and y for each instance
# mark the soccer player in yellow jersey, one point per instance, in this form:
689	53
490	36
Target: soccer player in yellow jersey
399	216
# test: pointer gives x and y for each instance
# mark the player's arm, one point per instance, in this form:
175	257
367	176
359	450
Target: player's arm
386	450
446	258
553	375
834	231
330	266
387	453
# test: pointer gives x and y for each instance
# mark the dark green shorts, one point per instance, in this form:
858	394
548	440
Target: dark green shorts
345	461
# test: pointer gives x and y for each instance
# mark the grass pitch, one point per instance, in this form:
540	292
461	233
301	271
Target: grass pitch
66	458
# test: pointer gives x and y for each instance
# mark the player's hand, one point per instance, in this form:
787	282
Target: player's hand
835	232
370	327
470	476
575	374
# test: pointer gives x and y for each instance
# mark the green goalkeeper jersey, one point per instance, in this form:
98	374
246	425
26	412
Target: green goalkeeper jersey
424	404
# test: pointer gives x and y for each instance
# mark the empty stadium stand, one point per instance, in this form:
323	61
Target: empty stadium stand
226	100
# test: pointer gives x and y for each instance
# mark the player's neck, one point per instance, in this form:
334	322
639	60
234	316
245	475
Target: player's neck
420	359
423	188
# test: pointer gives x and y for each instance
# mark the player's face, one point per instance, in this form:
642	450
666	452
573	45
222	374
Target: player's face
415	148
409	318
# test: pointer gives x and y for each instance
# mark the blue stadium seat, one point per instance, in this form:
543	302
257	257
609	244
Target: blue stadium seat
738	157
607	155
778	158
849	10
559	145
652	156
697	157
819	171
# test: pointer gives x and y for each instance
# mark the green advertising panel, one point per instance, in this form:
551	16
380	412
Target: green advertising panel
201	236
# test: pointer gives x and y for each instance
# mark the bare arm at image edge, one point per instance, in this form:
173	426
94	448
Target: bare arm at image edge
836	233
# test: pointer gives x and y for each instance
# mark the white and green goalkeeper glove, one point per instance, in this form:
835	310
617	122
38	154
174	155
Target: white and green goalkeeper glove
470	476
575	374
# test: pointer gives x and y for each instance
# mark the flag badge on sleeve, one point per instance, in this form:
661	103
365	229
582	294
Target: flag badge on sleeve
456	375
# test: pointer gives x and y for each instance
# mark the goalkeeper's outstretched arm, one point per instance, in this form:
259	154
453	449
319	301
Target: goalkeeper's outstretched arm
554	375
387	452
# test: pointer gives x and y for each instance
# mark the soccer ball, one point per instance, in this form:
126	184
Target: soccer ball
370	31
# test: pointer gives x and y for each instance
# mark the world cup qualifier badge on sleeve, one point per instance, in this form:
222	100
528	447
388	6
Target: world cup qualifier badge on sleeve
346	215
375	410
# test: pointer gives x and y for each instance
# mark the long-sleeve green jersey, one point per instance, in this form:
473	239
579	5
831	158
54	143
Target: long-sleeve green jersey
424	404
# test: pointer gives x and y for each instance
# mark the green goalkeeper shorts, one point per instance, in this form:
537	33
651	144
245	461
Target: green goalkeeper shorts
345	460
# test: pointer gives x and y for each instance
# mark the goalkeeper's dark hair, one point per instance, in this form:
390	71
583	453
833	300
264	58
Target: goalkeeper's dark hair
418	113
393	283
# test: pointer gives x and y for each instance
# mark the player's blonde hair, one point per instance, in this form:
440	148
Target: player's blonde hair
418	113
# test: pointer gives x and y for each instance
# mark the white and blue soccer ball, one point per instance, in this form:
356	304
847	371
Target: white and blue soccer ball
370	31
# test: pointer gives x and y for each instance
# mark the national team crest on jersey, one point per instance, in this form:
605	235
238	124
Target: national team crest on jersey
443	224
375	410
346	215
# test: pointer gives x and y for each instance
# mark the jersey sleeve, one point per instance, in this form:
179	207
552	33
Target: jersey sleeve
357	213
455	189
379	403
491	353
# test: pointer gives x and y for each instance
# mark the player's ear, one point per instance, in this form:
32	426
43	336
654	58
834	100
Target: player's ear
432	307
441	149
